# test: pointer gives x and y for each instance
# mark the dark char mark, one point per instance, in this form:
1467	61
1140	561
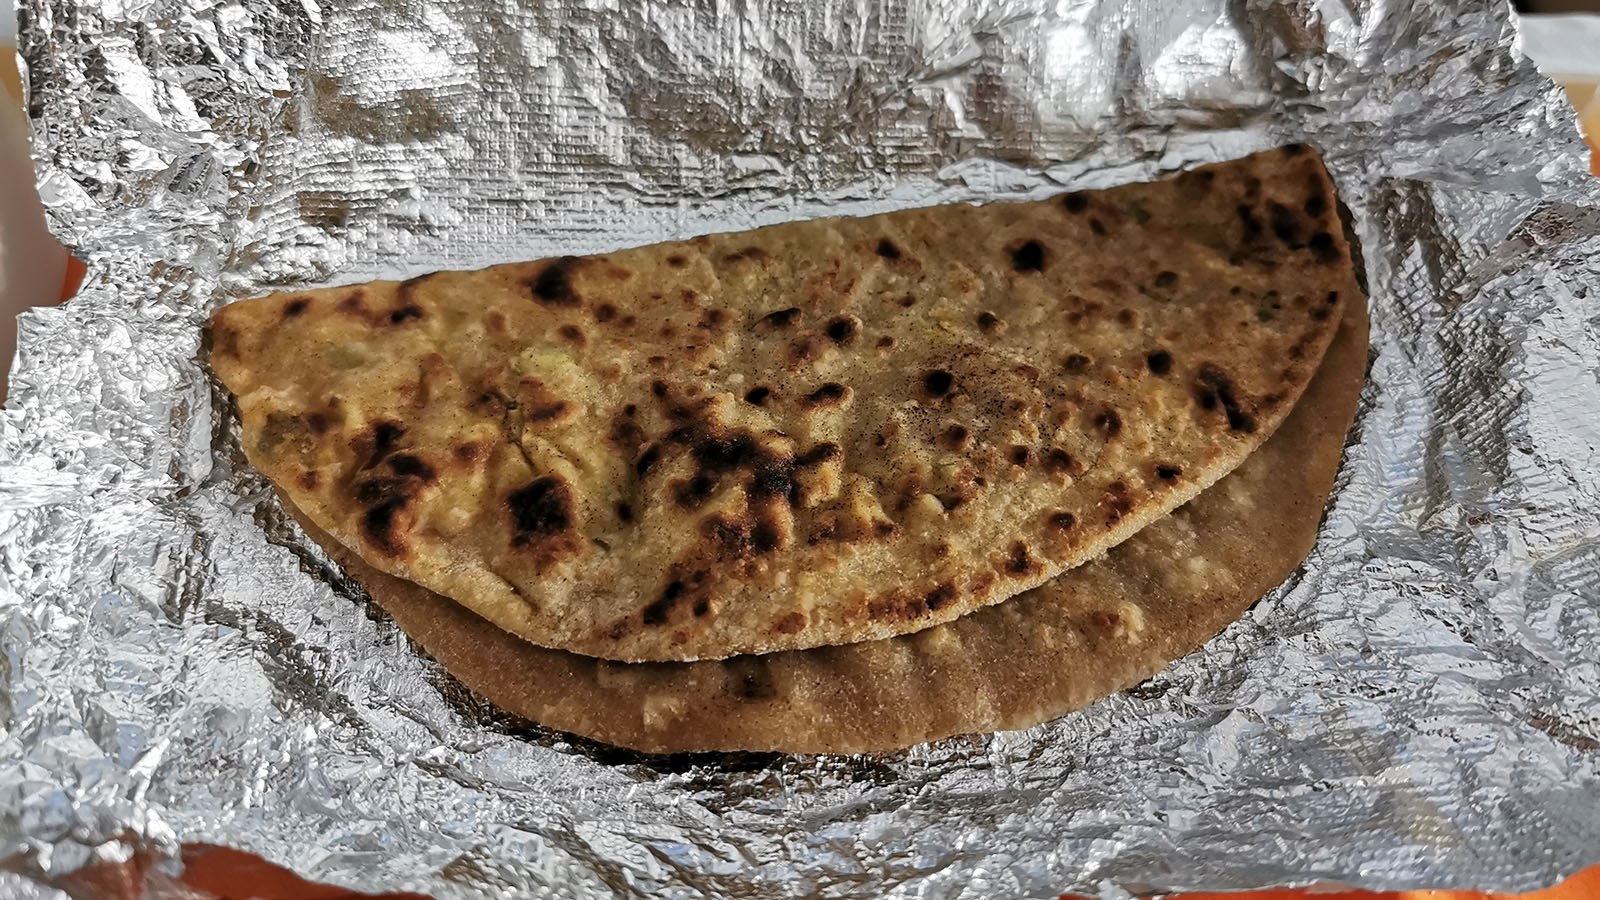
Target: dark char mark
938	382
1213	388
1058	460
378	441
771	475
647	459
1285	224
1109	422
1021	562
656	613
939	596
542	508
407	465
553	285
696	491
1117	502
1322	246
379	525
783	318
819	453
1028	258
1251	224
827	395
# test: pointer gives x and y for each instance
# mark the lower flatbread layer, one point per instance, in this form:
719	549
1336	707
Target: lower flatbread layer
1094	630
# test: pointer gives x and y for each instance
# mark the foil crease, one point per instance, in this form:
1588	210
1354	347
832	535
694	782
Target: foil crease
1418	707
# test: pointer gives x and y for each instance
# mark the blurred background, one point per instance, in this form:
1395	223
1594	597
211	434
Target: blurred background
1559	6
32	265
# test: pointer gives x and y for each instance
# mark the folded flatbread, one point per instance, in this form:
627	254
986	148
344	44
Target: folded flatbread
1093	630
816	433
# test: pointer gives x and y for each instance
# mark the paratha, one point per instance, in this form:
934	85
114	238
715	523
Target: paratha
1095	629
814	433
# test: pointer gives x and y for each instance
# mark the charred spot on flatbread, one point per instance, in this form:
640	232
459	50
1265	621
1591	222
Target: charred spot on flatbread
779	419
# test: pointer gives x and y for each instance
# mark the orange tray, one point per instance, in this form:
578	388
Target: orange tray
220	873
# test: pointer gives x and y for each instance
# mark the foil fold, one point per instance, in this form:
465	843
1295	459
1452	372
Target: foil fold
1418	707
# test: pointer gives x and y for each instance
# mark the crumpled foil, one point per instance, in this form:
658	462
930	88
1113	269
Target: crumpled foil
1419	706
